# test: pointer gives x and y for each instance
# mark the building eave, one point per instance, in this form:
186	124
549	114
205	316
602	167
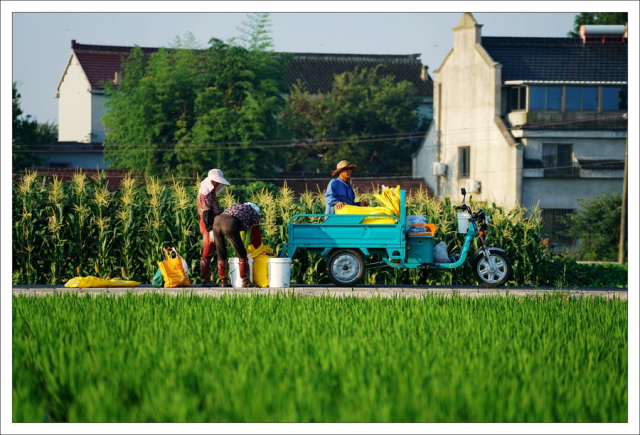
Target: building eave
561	82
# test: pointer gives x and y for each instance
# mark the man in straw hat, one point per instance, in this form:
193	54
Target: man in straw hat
208	209
339	191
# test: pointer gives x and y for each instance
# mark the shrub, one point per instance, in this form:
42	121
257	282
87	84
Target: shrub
597	225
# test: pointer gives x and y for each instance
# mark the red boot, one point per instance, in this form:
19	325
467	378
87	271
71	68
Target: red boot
205	272
222	273
243	263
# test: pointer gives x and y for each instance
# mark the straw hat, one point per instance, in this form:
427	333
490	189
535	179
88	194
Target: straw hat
343	165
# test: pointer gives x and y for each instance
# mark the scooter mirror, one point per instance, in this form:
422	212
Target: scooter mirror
463	191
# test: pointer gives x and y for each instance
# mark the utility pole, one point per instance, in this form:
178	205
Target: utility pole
623	219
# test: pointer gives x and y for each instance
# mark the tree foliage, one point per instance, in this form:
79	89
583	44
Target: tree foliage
27	131
597	224
361	103
207	107
600	18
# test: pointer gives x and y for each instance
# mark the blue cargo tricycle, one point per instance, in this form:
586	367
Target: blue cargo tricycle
345	242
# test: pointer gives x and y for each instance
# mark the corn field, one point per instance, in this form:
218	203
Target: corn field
80	228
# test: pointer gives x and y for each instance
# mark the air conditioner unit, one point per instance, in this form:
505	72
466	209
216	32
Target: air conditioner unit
439	169
474	186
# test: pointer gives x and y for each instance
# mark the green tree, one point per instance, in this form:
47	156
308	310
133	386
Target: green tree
361	103
600	18
207	107
27	132
597	224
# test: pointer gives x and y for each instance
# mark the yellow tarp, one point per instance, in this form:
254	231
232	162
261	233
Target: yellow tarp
92	281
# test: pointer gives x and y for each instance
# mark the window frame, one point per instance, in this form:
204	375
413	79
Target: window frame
561	170
522	106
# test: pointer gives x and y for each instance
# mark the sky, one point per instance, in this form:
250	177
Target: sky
42	41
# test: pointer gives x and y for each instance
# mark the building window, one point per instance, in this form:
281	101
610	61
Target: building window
614	98
464	162
545	98
517	98
557	159
554	222
59	165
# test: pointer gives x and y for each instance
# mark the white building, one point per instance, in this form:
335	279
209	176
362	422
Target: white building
527	121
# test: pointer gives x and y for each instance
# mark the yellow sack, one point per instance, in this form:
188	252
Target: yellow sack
92	281
260	264
172	270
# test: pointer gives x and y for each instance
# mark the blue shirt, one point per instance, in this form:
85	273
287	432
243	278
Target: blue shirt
338	191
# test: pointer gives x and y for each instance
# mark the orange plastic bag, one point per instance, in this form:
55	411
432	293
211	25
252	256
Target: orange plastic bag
173	271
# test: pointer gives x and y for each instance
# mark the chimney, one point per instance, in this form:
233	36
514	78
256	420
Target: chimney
73	43
117	77
423	74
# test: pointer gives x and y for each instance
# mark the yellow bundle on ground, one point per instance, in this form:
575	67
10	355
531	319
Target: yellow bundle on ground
92	281
389	198
260	264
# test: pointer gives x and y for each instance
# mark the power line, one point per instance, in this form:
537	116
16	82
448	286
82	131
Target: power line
295	143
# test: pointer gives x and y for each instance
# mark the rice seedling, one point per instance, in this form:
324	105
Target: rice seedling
157	358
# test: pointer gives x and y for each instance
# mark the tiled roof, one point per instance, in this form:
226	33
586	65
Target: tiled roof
606	164
316	70
101	62
608	123
562	59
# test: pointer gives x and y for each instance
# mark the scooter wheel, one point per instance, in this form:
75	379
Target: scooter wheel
345	267
502	269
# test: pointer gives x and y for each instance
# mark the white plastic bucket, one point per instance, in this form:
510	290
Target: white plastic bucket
279	272
234	272
463	222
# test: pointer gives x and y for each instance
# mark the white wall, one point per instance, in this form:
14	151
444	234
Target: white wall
599	146
468	102
564	192
74	105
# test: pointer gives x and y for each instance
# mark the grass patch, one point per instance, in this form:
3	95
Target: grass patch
157	358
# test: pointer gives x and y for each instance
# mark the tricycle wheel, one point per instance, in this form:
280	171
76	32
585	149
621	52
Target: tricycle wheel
345	267
502	269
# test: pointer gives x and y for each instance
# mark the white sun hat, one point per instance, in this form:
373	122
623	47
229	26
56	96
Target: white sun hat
254	206
217	175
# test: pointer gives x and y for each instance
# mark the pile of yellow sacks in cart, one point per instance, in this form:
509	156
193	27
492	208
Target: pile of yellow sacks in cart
389	200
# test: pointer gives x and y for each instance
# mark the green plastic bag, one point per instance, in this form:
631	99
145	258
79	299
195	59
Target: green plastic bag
157	280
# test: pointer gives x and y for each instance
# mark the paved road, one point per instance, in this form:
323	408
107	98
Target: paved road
330	290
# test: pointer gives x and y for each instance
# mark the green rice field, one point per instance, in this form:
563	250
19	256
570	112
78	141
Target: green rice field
158	358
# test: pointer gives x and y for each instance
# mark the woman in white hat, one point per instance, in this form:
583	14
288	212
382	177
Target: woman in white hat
208	209
339	191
